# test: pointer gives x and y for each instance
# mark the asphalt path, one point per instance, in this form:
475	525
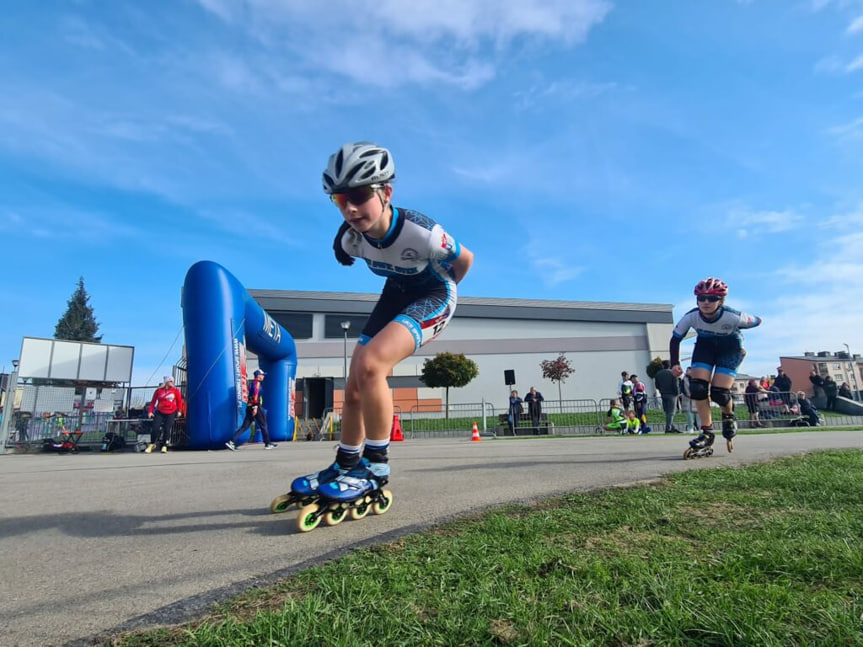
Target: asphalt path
94	543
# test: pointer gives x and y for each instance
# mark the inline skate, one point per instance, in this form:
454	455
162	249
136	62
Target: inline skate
729	430
352	494
702	446
304	489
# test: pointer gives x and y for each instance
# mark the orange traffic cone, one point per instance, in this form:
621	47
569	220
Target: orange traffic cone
475	438
396	433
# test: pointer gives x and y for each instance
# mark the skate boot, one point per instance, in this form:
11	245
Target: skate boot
701	446
353	494
729	430
304	489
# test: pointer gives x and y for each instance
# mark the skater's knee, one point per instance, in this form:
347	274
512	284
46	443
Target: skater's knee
720	395
699	389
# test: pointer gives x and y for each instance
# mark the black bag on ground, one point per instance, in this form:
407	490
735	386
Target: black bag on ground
112	442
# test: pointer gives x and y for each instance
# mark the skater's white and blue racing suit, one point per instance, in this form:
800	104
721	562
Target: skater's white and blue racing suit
415	256
719	342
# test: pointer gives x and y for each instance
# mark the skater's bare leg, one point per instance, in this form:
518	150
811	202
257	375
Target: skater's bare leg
368	401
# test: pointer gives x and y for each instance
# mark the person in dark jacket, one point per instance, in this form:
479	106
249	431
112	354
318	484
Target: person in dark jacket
845	391
515	411
807	409
831	390
783	383
817	383
534	401
669	389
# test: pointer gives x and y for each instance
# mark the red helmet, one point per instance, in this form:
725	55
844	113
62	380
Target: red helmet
711	286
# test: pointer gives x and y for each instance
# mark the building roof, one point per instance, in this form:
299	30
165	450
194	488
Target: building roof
482	307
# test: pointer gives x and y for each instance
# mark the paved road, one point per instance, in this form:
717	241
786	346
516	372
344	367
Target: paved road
93	542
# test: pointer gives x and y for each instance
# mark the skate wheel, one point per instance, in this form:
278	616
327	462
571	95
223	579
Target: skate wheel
334	516
281	503
308	518
688	453
361	509
383	502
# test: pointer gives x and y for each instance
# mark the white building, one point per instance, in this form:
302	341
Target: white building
599	339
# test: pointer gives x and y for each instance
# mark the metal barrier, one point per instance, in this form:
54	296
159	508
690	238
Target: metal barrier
454	421
566	417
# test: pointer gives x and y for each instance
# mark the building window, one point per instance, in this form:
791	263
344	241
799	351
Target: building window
299	324
837	367
333	326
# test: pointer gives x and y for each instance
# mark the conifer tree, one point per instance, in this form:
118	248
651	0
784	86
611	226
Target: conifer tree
78	323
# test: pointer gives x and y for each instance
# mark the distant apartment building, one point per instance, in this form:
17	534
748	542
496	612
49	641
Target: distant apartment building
841	366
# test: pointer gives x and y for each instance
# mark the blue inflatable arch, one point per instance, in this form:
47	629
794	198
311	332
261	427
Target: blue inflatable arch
221	320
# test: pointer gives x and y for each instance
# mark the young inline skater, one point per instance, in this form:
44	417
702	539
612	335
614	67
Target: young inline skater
422	264
717	354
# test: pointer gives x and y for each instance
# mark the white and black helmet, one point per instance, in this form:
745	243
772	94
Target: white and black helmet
358	164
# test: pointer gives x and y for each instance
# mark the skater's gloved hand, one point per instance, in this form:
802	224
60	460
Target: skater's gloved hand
341	256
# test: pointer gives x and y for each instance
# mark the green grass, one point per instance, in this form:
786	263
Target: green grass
767	555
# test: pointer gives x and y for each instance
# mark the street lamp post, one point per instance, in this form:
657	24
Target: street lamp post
853	365
9	406
345	326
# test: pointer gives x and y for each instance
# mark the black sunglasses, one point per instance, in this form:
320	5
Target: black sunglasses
710	298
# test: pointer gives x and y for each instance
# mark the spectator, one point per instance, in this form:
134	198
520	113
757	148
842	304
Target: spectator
783	385
633	424
831	390
775	401
515	411
817	383
534	401
255	412
624	389
686	401
845	391
669	389
639	402
753	391
807	409
615	418
166	405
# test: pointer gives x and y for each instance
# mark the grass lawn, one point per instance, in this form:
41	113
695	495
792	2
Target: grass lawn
767	555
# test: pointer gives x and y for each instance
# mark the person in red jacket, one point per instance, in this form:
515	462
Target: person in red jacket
166	404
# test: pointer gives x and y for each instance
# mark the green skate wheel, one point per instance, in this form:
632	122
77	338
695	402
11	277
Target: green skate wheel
382	504
281	503
334	516
308	518
361	509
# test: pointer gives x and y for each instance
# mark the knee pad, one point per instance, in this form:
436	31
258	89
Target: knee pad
720	396
699	389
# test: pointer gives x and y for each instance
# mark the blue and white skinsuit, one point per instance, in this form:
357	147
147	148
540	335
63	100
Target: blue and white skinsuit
415	256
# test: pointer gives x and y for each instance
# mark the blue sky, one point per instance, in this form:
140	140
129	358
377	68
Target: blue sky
582	149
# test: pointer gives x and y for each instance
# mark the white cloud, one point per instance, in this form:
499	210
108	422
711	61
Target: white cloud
851	130
753	223
855	26
391	42
855	65
815	301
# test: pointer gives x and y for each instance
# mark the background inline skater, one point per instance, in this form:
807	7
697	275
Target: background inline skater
422	264
717	354
255	412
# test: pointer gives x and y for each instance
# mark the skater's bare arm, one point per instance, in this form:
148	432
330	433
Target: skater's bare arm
462	264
